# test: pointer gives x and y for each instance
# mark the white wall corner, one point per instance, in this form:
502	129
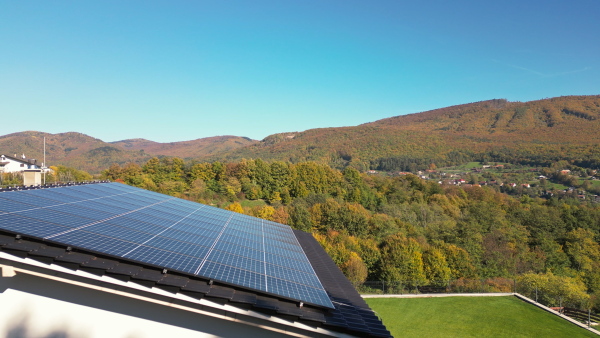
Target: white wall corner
7	271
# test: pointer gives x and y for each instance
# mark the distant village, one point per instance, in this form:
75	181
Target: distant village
522	179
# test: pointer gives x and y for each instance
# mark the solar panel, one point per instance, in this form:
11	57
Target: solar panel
167	232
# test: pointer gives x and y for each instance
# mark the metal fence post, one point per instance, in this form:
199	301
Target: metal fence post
589	317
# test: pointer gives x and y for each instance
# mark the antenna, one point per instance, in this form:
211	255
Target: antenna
44	166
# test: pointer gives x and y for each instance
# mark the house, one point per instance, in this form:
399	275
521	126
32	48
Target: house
110	260
12	164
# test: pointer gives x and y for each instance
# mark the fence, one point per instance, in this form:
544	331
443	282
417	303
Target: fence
490	285
580	306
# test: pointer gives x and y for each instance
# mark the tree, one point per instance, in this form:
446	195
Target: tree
355	269
402	260
435	266
266	212
235	207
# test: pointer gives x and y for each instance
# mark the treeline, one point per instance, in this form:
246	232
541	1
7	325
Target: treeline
528	155
395	228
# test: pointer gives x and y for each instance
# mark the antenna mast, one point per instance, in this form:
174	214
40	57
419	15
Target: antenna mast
44	164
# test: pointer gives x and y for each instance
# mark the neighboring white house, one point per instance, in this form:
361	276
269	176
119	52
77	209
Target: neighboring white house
13	164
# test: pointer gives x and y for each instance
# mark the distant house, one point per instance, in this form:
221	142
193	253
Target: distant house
13	164
566	171
372	172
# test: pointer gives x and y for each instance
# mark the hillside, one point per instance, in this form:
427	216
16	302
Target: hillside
495	130
93	155
536	132
71	149
196	149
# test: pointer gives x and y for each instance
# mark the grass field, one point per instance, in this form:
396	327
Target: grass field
470	317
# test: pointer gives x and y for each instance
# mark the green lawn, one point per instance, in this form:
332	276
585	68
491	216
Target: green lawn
470	317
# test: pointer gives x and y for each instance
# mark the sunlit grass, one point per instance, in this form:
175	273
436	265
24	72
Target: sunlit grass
470	317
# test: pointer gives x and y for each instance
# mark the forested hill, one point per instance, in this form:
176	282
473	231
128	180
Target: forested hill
93	155
536	132
497	130
71	149
196	149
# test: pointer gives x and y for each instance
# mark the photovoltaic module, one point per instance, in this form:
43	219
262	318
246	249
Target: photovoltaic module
167	232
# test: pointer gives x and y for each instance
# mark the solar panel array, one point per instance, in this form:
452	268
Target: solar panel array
167	232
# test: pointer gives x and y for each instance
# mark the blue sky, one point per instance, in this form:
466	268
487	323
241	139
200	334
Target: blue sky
181	70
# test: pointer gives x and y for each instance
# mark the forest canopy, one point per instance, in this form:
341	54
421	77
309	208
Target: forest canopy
396	228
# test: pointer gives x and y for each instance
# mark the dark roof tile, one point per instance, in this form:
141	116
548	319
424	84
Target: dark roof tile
244	297
218	291
267	303
6	240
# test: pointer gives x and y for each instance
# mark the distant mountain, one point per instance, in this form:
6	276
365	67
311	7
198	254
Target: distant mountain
198	148
91	154
535	132
71	149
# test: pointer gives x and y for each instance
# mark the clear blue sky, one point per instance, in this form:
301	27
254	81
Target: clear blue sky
180	70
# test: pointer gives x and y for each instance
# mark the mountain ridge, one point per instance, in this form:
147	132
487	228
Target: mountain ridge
561	127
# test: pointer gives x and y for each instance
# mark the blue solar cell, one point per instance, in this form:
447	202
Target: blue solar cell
32	227
240	250
167	232
181	247
297	291
11	206
95	242
47	194
27	199
110	230
166	259
79	210
50	216
235	276
188	237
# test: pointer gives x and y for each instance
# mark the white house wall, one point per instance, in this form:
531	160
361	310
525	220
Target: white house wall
14	166
32	306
